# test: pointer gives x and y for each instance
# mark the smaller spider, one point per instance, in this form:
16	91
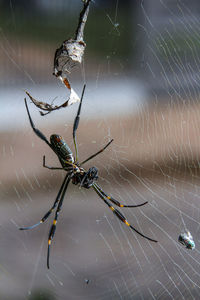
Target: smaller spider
77	174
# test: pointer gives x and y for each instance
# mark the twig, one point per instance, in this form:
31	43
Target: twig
66	57
72	50
82	21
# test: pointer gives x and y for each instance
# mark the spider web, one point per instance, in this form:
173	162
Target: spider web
145	95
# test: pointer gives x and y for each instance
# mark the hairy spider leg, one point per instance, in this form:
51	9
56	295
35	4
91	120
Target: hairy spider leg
42	136
37	131
53	226
120	215
51	209
51	168
115	201
76	122
98	152
57	168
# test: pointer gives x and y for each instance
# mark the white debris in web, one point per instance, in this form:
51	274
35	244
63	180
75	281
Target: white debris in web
71	52
187	240
66	57
73	98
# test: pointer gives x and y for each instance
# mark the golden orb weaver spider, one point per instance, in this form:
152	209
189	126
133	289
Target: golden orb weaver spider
77	175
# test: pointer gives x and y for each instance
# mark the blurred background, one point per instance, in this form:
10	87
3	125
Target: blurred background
141	68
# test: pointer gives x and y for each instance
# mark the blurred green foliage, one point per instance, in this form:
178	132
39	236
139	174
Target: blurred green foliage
180	43
102	36
41	295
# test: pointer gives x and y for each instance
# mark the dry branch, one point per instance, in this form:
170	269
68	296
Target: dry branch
66	57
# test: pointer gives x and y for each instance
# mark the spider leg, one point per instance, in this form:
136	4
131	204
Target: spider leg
76	122
115	201
53	226
51	209
37	131
98	152
120	215
51	168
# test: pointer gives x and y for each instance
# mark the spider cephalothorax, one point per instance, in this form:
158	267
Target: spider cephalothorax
85	178
77	175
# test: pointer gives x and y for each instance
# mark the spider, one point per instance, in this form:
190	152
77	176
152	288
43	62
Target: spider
76	174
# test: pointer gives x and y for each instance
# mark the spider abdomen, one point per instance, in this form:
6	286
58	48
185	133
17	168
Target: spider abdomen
62	149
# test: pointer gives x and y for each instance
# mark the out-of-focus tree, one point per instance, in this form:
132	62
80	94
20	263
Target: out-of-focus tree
29	5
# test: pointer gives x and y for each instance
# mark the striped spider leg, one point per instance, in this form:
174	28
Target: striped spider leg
117	213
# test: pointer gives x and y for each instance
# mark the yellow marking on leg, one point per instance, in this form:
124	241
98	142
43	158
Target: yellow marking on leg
109	198
54	222
112	208
126	223
49	242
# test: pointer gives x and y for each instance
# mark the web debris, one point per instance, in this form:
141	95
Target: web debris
71	51
69	55
186	239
